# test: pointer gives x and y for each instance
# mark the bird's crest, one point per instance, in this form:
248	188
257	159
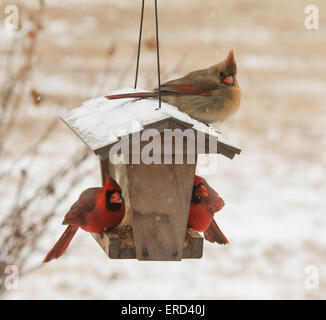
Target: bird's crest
110	184
230	61
198	180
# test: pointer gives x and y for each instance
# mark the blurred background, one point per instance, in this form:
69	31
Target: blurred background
66	52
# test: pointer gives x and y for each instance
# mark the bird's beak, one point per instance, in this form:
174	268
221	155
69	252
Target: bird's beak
115	198
202	192
228	80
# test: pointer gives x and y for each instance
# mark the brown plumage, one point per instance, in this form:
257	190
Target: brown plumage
209	95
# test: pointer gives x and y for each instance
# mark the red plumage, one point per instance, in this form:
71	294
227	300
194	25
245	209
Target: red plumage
96	210
205	202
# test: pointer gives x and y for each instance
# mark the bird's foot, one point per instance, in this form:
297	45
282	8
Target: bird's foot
103	232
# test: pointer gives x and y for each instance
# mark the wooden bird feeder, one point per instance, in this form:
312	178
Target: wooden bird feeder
157	195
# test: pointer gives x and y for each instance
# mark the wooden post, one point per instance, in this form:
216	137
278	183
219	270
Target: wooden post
160	200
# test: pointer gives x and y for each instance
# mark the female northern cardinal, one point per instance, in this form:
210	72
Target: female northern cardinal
208	95
96	210
205	202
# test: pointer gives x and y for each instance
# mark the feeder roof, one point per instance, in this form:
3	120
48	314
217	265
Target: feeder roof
101	122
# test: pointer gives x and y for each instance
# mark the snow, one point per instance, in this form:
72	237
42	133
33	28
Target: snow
274	190
100	121
266	62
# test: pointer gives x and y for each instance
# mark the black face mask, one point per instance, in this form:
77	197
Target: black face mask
194	198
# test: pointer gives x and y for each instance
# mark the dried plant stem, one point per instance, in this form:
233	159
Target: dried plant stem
18	83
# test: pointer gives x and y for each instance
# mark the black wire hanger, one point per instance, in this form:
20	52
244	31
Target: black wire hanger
157	50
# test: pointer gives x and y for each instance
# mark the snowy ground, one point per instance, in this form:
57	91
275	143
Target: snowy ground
274	190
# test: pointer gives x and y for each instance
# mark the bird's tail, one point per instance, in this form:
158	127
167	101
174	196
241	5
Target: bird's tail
140	95
214	234
62	244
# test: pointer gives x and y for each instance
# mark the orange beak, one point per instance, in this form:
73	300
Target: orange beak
228	80
115	198
202	192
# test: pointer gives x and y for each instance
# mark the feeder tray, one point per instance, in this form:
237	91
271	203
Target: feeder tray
119	243
157	196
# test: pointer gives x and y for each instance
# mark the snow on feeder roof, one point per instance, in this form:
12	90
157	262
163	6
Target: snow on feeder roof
101	122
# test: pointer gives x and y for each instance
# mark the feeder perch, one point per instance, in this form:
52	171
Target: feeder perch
157	189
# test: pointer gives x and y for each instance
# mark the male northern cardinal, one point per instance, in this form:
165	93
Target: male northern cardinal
96	210
205	202
208	95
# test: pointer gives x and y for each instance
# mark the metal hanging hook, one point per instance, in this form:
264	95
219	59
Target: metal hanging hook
158	58
157	50
139	41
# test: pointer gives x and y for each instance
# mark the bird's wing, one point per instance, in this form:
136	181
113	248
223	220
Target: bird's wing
78	212
213	201
214	234
188	85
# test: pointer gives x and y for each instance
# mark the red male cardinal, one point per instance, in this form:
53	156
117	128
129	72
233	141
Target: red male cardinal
205	202
208	95
96	210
